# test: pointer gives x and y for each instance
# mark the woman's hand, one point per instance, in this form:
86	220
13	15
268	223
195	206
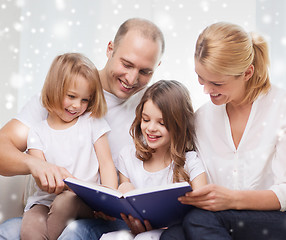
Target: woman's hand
135	224
210	197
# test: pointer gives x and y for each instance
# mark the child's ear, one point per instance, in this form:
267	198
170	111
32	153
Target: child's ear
249	72
110	49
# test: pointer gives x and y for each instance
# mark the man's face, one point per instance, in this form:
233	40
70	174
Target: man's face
131	65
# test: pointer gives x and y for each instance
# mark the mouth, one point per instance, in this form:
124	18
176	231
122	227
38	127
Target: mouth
71	112
125	85
152	137
215	94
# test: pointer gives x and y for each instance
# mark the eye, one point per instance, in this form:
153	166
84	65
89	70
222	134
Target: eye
126	65
162	123
70	96
217	84
85	100
145	119
145	72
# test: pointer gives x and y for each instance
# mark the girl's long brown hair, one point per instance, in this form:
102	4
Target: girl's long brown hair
173	99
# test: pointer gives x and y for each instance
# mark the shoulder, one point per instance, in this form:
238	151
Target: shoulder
209	108
273	102
275	93
87	118
128	151
193	164
32	112
191	155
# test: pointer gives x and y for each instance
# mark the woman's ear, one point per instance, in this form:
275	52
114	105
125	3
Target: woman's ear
249	72
110	49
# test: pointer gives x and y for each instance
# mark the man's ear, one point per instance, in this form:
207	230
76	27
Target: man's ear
249	72
110	49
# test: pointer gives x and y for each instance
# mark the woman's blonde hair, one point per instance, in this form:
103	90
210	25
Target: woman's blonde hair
64	72
226	49
173	99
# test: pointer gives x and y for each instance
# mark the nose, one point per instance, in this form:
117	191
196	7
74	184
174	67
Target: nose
132	76
207	88
76	103
151	127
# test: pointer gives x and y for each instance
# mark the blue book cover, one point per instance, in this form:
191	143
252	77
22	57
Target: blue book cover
158	204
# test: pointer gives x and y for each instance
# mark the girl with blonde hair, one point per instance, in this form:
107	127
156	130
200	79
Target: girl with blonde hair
74	137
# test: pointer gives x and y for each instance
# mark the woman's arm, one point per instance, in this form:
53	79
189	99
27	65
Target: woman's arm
107	169
216	198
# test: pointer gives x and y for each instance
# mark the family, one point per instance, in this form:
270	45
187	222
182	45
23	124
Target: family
108	125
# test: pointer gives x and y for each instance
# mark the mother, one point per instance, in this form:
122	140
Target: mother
241	140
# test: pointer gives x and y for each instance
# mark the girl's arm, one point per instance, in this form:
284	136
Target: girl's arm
107	169
216	198
125	184
199	181
134	224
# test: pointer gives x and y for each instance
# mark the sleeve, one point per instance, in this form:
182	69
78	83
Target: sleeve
122	161
193	165
99	128
279	170
33	112
34	139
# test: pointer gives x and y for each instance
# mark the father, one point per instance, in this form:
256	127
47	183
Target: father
132	59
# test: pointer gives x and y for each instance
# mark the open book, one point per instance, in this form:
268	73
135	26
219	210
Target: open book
158	204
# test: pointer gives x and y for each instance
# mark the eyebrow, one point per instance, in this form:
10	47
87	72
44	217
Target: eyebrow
132	64
146	115
211	81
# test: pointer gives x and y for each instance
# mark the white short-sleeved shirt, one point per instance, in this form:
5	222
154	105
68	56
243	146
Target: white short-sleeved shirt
259	162
120	116
71	148
131	167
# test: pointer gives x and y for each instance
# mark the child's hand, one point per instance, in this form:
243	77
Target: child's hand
135	225
125	187
103	216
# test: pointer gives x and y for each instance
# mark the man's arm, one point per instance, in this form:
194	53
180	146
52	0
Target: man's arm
13	143
13	160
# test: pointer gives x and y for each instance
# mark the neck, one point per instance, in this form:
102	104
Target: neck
238	107
57	123
162	156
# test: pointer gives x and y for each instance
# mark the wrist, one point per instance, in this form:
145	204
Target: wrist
235	199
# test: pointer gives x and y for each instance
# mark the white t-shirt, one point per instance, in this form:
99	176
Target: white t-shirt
259	162
71	148
131	167
120	116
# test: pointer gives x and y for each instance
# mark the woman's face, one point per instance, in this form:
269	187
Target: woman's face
222	89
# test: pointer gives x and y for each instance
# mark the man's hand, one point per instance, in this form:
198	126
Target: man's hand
48	177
